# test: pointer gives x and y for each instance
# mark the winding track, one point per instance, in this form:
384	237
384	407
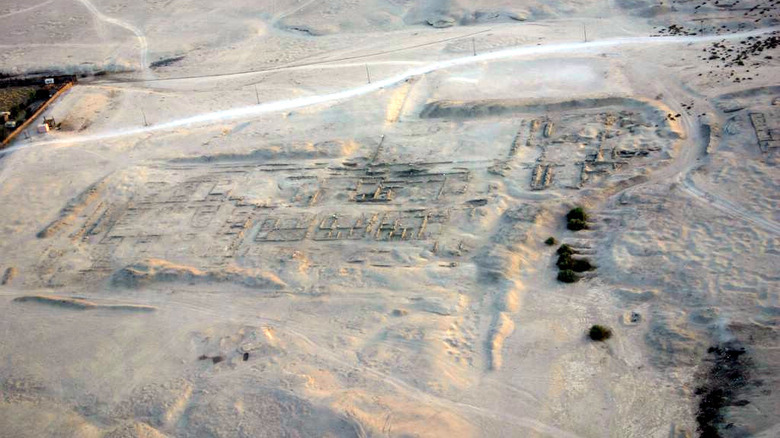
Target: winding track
290	104
727	206
22	11
116	22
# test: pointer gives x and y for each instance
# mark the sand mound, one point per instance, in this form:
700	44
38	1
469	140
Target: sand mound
441	13
80	304
500	267
69	213
39	419
396	416
156	270
300	151
9	274
135	430
497	107
502	327
159	405
262	413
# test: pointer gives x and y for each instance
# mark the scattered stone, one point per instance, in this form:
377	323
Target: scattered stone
632	318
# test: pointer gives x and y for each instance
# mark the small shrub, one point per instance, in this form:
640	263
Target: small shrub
565	249
581	265
576	225
577	219
564	261
599	333
41	94
550	241
568	276
577	214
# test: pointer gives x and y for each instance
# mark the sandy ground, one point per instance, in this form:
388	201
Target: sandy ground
298	218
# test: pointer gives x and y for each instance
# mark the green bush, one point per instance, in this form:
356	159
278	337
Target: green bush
568	276
599	333
565	249
41	94
577	214
550	241
566	261
577	219
581	265
576	225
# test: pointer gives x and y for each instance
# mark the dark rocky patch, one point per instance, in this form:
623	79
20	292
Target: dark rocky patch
726	377
165	62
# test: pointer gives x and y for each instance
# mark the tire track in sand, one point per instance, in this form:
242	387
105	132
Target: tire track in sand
248	112
116	22
727	206
22	11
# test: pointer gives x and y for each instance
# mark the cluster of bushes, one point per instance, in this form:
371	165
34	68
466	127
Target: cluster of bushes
577	219
568	266
18	111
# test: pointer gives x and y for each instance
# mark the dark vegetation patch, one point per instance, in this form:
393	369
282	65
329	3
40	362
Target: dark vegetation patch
569	265
20	99
477	202
165	62
565	249
726	376
599	333
9	274
568	276
303	30
12	97
577	219
214	359
567	262
550	241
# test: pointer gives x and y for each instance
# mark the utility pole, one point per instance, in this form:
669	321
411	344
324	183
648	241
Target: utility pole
474	46
368	74
257	95
144	115
585	32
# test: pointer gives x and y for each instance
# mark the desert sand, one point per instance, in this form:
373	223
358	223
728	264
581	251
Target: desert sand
301	218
